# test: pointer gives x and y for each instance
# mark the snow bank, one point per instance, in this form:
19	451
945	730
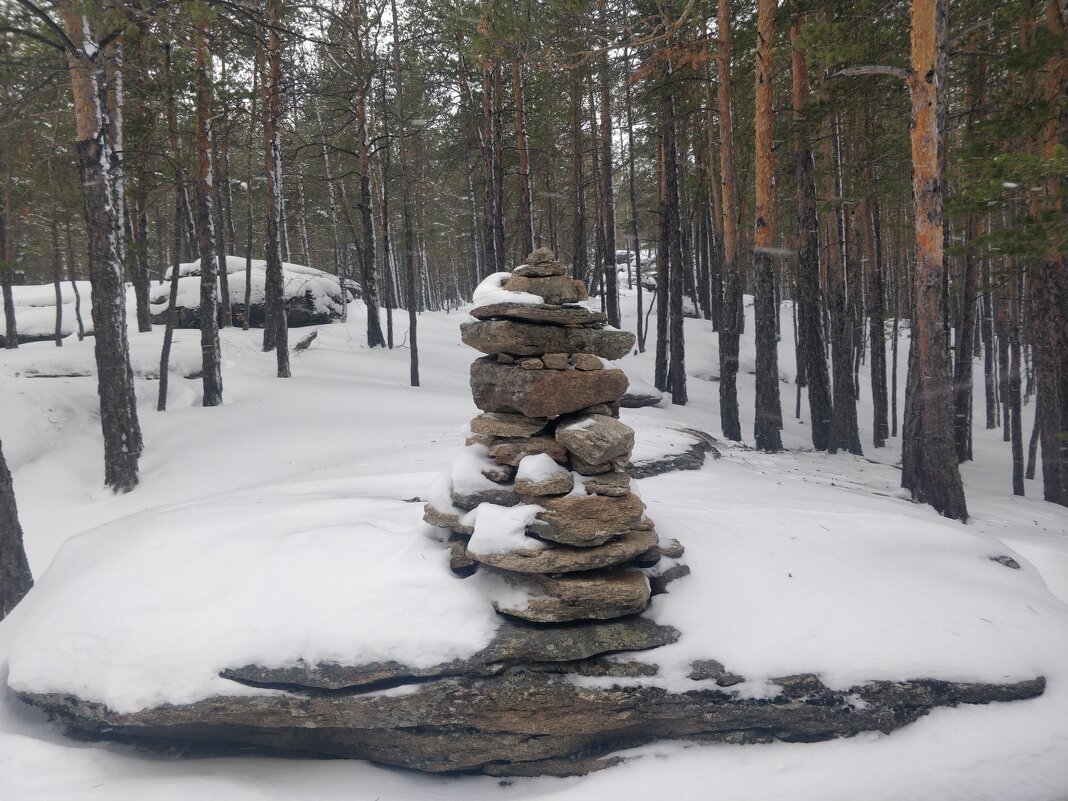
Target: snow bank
490	291
148	610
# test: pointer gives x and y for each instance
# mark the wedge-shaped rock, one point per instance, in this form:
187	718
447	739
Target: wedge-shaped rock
596	595
567	316
497	424
531	339
596	438
515	643
587	520
552	558
511	451
541	393
554	290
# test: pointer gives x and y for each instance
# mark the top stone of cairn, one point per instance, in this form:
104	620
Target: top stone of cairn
541	263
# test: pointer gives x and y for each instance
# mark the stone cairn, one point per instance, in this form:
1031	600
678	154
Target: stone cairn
540	496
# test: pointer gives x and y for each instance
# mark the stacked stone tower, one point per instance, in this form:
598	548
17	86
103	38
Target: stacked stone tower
540	496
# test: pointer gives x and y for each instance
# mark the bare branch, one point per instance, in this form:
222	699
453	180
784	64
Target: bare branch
872	69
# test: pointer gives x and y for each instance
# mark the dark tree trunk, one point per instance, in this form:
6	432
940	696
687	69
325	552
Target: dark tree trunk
526	206
367	255
844	432
608	202
635	241
812	357
733	313
7	262
578	190
57	272
276	325
410	263
876	318
15	577
768	420
72	273
98	141
929	459
210	349
663	274
172	310
672	213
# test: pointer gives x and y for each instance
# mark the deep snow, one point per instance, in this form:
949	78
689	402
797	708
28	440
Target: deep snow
280	525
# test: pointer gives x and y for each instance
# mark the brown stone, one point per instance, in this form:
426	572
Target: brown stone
596	595
566	316
555	361
550	557
459	562
554	290
531	364
557	482
499	473
449	520
542	255
541	393
512	451
596	439
613	484
505	358
540	270
584	468
531	339
502	495
507	425
586	361
587	520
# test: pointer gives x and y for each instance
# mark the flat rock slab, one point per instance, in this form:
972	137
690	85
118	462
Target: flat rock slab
520	723
515	643
549	557
554	290
693	458
532	339
595	595
496	424
541	393
566	316
587	520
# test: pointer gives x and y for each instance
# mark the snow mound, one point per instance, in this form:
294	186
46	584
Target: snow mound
491	291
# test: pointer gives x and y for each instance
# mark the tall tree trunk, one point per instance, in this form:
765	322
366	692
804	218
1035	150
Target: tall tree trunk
367	254
526	206
812	356
663	271
929	459
210	349
1049	280
98	141
7	256
257	76
579	248
844	432
608	201
15	577
276	325
768	409
876	312
731	324
635	241
406	189
672	214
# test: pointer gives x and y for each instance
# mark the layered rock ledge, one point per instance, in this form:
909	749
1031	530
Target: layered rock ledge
536	719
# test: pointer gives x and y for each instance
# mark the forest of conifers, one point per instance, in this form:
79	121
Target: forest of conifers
881	166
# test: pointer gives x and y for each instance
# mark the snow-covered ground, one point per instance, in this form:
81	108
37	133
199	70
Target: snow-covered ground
281	524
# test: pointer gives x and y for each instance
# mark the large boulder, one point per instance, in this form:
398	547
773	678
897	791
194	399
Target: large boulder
541	393
520	723
596	438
